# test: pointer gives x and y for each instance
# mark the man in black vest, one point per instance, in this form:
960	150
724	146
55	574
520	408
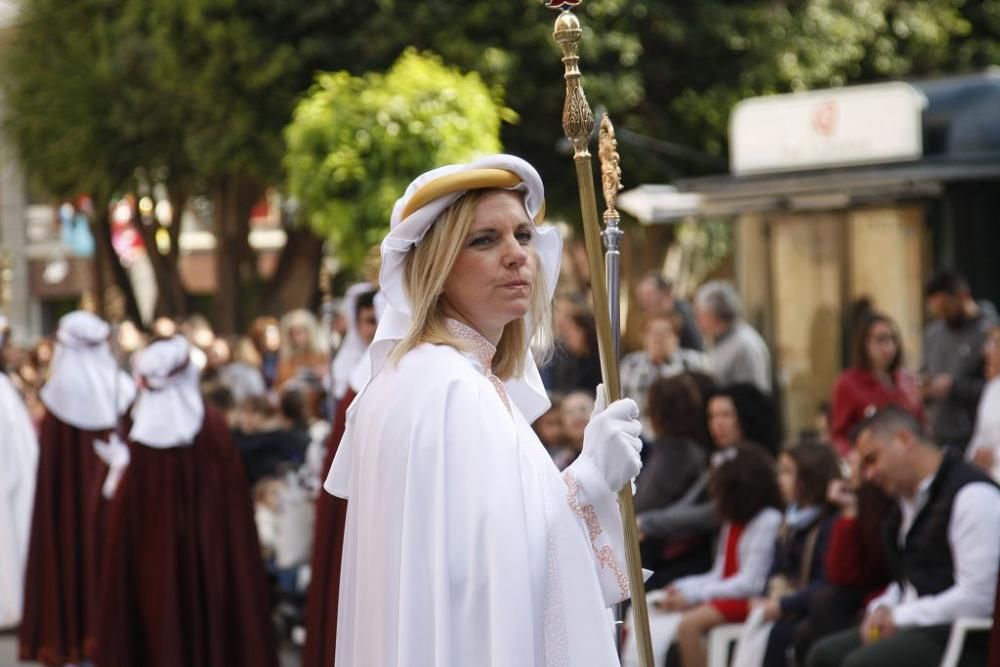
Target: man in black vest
942	547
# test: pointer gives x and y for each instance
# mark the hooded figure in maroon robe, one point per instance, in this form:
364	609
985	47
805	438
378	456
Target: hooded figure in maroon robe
84	398
184	579
363	308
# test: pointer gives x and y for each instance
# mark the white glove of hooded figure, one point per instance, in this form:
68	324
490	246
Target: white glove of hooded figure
611	440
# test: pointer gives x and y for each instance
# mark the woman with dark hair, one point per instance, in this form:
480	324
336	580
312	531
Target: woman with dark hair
745	493
743	413
576	365
736	414
676	462
854	566
876	379
804	474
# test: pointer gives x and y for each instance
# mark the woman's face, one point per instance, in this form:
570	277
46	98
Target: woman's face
881	346
575	338
490	284
788	474
659	339
576	410
366	324
298	337
272	338
550	427
723	424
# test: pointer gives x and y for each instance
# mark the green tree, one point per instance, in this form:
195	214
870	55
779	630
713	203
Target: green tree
61	108
102	97
356	142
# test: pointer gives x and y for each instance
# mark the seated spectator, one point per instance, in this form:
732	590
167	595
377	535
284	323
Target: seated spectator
739	414
855	569
984	449
549	427
943	546
804	474
575	409
576	365
676	461
876	379
655	294
736	352
267	439
659	357
745	492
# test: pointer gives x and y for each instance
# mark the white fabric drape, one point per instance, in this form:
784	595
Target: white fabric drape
19	447
86	388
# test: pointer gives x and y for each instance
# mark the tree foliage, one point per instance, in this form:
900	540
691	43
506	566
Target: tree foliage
356	142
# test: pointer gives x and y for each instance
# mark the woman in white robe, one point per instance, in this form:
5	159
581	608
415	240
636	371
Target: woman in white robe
19	447
464	544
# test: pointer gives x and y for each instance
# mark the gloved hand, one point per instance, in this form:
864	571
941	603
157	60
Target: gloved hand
115	453
611	440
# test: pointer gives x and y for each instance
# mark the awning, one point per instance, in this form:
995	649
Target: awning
961	142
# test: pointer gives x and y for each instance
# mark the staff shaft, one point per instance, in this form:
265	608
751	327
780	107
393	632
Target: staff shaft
578	123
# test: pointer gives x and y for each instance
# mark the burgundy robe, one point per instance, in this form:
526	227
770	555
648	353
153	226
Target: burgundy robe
64	553
328	546
184	579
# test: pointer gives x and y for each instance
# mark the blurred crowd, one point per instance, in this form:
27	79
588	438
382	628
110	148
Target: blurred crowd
733	515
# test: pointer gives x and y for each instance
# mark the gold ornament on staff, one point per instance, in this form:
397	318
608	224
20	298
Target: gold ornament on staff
578	124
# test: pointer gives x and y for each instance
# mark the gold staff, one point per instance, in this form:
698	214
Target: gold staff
578	124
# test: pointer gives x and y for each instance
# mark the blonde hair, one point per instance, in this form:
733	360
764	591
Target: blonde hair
425	270
300	317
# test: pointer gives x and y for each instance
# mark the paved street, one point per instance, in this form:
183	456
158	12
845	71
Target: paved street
8	649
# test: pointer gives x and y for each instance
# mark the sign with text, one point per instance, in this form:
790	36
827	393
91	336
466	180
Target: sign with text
826	128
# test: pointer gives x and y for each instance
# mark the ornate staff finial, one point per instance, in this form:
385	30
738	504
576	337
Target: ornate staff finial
577	116
578	124
561	4
611	173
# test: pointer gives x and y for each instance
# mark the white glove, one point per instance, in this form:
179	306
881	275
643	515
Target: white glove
115	453
611	440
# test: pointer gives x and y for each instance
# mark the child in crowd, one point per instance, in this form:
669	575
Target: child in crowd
745	492
855	569
804	473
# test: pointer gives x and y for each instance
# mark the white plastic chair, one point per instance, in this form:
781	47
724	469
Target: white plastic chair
720	641
956	640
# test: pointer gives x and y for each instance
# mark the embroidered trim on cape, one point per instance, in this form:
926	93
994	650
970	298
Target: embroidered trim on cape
554	615
605	555
483	351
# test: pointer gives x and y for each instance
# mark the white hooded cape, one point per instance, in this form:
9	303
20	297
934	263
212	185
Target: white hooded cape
19	453
464	544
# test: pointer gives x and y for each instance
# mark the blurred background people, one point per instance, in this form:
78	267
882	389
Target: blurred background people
953	363
655	294
661	356
876	379
736	352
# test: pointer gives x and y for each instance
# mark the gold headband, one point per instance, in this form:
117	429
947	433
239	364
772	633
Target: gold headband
470	179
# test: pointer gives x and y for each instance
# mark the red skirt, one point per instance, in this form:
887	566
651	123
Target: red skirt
64	552
184	579
328	546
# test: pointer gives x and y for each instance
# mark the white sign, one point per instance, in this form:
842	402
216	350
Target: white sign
825	128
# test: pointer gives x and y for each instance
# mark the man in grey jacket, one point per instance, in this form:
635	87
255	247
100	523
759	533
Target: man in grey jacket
953	360
736	352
